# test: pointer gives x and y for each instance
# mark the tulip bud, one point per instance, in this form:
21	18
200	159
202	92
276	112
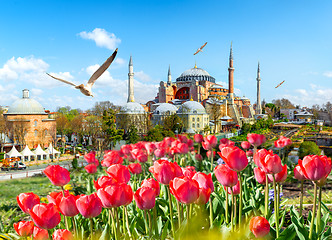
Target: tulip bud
62	234
23	228
58	175
26	201
259	226
145	198
45	215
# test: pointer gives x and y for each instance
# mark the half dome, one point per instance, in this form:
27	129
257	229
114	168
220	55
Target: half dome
132	108
195	74
191	107
26	105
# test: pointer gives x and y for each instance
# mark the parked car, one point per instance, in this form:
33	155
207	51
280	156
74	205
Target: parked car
19	166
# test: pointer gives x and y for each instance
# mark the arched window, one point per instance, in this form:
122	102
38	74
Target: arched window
36	133
35	123
198	125
193	125
45	132
193	119
197	119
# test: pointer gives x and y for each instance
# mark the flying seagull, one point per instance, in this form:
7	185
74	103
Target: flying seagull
280	84
200	49
86	89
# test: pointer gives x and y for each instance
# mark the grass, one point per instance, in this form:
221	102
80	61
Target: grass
326	198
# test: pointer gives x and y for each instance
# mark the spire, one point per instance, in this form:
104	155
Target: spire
131	81
195	65
259	105
258	72
169	76
231	52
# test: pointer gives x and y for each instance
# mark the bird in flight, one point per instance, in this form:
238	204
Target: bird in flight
200	49
280	84
86	89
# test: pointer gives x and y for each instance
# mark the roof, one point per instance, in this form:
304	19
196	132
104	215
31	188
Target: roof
194	74
39	151
27	152
51	150
13	153
132	108
191	107
26	105
165	108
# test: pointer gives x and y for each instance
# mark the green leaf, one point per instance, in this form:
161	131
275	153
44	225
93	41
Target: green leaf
288	234
327	235
105	235
302	233
165	230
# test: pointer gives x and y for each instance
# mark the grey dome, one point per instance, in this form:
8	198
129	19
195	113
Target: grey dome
26	105
192	107
165	108
195	74
132	108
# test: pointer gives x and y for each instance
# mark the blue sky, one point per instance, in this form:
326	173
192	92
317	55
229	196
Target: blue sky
291	39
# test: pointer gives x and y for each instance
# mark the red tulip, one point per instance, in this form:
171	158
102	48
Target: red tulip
245	145
89	206
135	168
145	198
210	152
91	158
40	234
282	142
225	142
249	153
159	153
298	171
164	171
204	180
45	215
151	183
209	142
142	158
112	157
236	189
23	228
150	147
268	162
189	171
259	226
198	138
184	189
26	201
260	175
58	175
225	175
198	157
91	168
116	195
235	158
190	143
62	234
203	197
67	206
119	172
256	139
260	156
281	176
316	167
104	181
55	197
183	148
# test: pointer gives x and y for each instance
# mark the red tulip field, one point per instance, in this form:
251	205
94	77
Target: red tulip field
184	188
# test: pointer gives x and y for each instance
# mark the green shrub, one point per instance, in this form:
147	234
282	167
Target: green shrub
308	148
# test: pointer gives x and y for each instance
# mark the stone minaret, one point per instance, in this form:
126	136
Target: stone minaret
131	81
259	106
231	75
169	77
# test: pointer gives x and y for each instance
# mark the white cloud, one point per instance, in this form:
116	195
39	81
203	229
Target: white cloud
328	74
102	38
142	76
119	61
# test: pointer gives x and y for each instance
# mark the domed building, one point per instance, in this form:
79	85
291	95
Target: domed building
29	124
194	116
132	113
161	112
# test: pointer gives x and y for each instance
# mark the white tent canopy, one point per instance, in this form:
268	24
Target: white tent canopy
39	152
13	153
27	153
51	151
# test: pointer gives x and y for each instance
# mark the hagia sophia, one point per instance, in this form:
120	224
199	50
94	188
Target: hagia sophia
195	97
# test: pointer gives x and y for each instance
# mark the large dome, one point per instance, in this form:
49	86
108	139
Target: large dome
26	105
132	108
195	74
165	108
191	107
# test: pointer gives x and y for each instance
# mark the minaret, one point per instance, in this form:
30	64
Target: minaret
169	79
231	74
131	81
259	106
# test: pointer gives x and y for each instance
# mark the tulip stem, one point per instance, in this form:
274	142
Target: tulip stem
211	213
150	222
211	160
127	222
155	220
113	223
170	210
188	213
117	220
232	208
226	206
147	232
179	213
235	210
319	210
313	211
276	210
266	196
278	195
74	226
240	200
91	228
301	198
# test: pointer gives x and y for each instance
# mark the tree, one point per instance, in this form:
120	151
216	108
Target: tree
173	123
19	130
157	134
308	148
102	106
62	125
76	125
315	110
132	135
92	127
3	130
111	134
215	112
283	103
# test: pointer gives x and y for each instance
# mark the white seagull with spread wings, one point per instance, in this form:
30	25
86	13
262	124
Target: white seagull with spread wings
86	89
200	49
